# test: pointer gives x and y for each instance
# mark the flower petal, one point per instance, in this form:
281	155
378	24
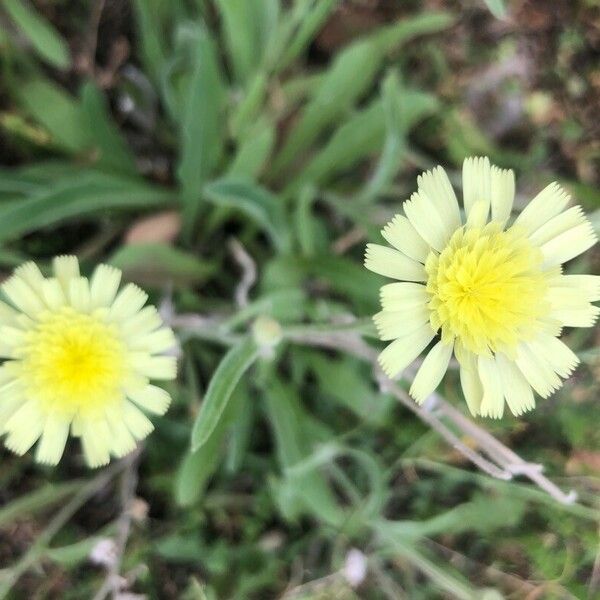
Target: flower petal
502	193
425	218
152	398
154	367
477	183
492	403
129	301
391	263
569	244
401	352
104	285
402	295
96	442
432	370
22	296
53	441
65	268
137	422
158	341
470	382
437	187
79	294
536	371
404	237
583	316
398	323
24	427
556	353
518	393
547	204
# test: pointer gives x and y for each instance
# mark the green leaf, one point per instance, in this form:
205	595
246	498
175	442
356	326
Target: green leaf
112	148
77	196
230	370
453	583
240	438
255	202
44	38
361	135
197	467
201	125
253	151
345	382
306	19
470	516
244	114
246	25
307	487
341	88
394	149
336	273
157	264
58	112
307	225
150	18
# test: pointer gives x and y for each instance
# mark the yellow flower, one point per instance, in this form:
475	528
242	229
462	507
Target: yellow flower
494	292
79	357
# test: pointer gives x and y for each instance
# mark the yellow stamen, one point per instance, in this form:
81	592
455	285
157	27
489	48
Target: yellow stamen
74	362
487	288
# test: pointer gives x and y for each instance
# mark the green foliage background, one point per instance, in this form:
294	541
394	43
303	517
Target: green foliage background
267	470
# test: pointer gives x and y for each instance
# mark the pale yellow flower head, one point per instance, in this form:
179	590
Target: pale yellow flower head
80	355
490	288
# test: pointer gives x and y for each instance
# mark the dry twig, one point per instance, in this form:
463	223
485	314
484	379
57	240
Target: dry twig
113	581
248	266
503	463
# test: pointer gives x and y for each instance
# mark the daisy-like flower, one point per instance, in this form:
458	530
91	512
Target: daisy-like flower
79	357
486	288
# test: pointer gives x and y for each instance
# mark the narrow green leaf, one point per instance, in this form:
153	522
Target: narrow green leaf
390	161
336	273
157	264
245	24
230	370
309	487
253	151
309	18
360	136
341	89
44	38
345	382
113	151
255	202
451	582
245	112
58	112
198	467
201	125
306	223
78	197
149	20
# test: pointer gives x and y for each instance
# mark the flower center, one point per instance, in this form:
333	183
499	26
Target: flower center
74	362
487	288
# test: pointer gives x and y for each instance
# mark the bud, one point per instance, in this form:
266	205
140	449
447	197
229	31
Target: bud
267	333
